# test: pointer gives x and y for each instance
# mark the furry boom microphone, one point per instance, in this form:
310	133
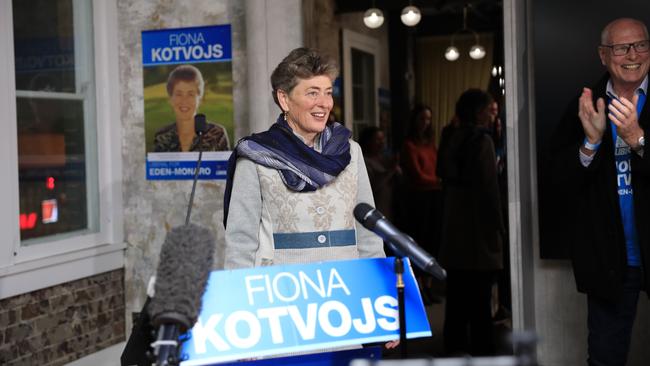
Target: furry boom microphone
185	263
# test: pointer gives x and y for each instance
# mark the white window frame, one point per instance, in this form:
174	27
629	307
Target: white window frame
366	44
28	268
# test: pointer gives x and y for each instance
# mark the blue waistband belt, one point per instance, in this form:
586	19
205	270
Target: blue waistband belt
315	239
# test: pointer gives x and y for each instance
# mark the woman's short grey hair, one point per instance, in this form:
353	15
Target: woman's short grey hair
301	63
187	73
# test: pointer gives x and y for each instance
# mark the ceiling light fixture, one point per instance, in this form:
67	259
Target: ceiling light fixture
497	70
451	53
373	17
411	15
476	52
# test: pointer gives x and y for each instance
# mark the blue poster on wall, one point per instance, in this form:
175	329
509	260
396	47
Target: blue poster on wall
263	311
187	72
186	45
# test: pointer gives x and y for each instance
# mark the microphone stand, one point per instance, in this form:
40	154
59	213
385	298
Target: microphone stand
137	350
399	272
196	177
166	346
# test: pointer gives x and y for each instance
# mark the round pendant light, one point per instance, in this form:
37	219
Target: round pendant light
477	52
451	53
411	16
373	18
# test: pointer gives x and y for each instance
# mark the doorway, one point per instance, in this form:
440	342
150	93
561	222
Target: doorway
406	82
360	81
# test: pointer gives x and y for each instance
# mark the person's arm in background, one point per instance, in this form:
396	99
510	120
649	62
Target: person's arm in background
488	182
442	151
379	179
368	243
414	168
244	215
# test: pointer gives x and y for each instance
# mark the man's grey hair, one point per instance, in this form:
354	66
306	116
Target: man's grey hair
604	35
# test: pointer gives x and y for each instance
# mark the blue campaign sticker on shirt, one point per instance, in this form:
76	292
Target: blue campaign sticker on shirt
186	45
264	311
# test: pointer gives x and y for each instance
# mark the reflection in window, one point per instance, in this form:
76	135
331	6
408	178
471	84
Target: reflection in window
55	117
363	90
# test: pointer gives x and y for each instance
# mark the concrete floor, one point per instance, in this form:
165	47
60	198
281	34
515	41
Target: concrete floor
432	347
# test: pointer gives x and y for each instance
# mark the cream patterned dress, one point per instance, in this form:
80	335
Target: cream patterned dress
269	224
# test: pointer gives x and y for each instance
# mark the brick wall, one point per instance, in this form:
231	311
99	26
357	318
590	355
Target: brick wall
60	324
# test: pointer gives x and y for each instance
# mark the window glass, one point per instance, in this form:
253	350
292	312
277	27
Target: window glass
363	90
55	118
44	45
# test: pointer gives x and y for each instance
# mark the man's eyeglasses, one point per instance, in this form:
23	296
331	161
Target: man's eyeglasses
623	49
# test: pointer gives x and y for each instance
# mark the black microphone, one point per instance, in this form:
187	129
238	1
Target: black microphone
183	270
401	243
200	124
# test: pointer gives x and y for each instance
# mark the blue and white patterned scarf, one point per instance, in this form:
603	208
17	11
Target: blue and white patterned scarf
301	168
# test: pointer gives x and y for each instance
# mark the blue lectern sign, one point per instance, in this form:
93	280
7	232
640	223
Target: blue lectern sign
264	311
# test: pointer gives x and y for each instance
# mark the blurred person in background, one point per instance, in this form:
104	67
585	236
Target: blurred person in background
421	189
383	171
472	228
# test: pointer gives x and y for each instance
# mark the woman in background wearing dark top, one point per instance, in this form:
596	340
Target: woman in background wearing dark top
472	229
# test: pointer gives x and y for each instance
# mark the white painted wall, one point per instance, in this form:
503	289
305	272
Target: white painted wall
263	32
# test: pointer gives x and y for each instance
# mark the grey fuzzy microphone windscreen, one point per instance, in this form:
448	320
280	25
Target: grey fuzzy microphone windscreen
185	262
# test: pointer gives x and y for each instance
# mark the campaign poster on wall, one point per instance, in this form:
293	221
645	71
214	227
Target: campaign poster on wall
187	73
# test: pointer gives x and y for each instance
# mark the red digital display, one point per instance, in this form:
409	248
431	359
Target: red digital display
28	221
49	183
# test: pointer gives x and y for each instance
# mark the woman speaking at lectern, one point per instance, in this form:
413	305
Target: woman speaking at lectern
291	190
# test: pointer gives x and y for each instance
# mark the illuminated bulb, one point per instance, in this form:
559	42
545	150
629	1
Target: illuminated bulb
477	52
451	53
373	18
494	71
411	16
